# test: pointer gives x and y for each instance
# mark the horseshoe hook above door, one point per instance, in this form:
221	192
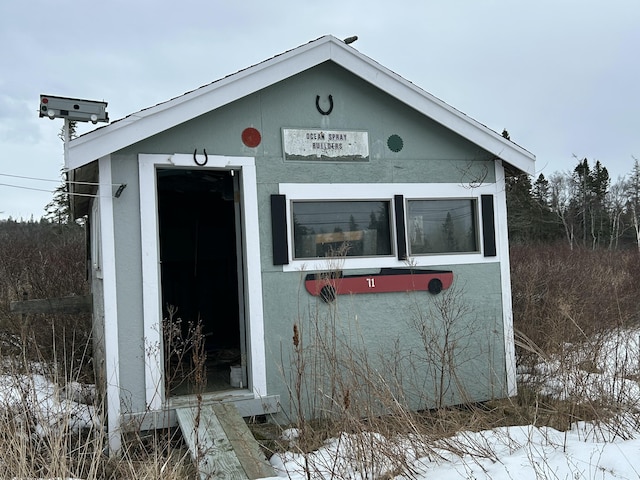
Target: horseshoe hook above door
324	112
206	158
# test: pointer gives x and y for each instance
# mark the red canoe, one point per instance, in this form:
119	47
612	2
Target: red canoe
387	280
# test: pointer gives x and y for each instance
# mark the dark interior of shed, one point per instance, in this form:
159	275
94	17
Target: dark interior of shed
199	277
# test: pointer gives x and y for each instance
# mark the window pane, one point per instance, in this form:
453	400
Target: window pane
442	226
337	228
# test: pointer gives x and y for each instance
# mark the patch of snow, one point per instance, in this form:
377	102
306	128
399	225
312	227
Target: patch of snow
607	369
36	401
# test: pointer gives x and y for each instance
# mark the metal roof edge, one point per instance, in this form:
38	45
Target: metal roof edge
438	110
152	120
163	116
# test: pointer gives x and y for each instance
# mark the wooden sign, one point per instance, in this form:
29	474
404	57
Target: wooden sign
325	145
387	280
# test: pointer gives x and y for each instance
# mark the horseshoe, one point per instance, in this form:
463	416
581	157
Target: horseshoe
324	112
206	158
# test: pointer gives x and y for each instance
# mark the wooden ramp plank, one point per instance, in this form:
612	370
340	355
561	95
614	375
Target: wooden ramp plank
219	444
208	444
244	444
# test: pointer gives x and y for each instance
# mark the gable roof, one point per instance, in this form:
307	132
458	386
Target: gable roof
156	119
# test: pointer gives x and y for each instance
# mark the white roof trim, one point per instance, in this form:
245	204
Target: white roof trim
151	121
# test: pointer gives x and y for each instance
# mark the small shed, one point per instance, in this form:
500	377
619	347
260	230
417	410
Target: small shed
315	177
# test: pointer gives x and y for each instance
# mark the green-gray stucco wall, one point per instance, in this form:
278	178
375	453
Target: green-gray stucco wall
404	336
131	341
431	154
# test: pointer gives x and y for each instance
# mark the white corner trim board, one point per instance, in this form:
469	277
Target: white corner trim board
112	356
505	277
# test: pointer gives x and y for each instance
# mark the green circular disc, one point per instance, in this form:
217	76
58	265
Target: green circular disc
395	143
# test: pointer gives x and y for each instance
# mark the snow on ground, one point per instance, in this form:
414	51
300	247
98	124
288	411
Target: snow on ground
42	405
522	452
609	370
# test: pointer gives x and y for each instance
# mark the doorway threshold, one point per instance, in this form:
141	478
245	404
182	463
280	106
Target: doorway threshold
246	402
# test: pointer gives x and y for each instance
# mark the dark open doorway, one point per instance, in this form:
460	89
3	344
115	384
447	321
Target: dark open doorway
200	265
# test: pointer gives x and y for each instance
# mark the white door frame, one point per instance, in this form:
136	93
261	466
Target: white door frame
151	288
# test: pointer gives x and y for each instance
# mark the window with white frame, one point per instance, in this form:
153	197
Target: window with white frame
437	226
434	224
350	228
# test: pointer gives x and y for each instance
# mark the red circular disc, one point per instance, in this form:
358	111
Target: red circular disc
251	137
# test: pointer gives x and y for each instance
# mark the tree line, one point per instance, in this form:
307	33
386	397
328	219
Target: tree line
581	207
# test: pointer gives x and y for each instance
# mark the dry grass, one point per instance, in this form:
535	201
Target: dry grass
38	434
568	305
565	304
38	261
48	431
564	296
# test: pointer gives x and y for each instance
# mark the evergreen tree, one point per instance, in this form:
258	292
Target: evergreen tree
353	226
600	221
519	207
58	210
545	225
588	203
529	214
600	182
581	197
540	191
449	234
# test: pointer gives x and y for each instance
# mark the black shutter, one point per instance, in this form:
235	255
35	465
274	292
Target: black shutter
279	230
488	226
401	236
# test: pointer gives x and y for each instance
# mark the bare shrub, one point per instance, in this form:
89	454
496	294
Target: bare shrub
50	427
572	310
565	296
184	354
343	389
446	331
575	317
42	261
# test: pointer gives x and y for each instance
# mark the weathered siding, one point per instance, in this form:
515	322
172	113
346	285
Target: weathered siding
431	154
132	344
387	326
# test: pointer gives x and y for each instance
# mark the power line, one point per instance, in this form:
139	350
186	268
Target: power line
48	191
25	188
28	178
55	181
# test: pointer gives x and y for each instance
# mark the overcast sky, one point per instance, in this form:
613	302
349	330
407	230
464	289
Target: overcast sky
562	76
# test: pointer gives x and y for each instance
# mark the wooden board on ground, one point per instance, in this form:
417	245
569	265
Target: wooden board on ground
221	443
69	305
